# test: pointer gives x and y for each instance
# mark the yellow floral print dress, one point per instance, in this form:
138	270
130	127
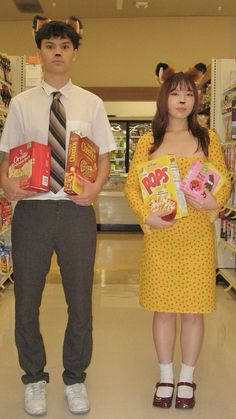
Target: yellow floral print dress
177	272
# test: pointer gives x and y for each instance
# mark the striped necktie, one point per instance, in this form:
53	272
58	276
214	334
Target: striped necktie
57	142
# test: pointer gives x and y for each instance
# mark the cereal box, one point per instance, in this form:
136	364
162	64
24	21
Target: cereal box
202	176
160	181
82	163
31	160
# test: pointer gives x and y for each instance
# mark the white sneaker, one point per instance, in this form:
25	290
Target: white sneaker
77	398
35	398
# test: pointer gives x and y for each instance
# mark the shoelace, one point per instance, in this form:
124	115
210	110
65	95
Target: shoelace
37	390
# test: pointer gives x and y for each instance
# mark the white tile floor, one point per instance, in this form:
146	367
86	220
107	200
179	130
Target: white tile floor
123	372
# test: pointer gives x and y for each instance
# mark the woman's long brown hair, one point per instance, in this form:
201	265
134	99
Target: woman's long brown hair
161	118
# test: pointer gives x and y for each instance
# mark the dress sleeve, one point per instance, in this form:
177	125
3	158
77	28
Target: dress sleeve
132	187
216	157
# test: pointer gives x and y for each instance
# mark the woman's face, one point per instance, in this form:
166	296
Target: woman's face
180	102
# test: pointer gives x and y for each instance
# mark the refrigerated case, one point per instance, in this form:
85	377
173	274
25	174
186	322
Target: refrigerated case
126	134
112	210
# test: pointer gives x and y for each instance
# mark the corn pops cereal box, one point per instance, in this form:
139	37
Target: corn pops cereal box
160	185
202	176
31	160
82	163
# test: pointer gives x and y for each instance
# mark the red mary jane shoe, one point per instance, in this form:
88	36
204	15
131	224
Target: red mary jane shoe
182	402
164	402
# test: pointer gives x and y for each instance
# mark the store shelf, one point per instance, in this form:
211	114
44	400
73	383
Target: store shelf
230	276
229	90
226	115
3	109
5	82
4	230
230	207
4	278
228	245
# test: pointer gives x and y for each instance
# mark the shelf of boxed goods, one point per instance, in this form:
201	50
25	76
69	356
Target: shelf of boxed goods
227	241
6	272
6	95
229	274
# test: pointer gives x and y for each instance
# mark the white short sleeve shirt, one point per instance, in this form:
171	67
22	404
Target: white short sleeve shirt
28	120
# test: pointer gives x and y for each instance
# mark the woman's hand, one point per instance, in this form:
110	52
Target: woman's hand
155	221
203	204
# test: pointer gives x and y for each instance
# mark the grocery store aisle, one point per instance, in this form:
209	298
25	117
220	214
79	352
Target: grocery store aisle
124	370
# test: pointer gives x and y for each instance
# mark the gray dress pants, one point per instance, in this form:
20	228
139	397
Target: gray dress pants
38	228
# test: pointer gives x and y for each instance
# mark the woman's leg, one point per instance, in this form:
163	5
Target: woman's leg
191	337
164	332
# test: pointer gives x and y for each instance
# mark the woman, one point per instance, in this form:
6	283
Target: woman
178	266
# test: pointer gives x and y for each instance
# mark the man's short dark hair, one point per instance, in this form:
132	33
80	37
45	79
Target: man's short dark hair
57	29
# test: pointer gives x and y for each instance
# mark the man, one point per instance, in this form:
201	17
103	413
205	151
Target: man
54	221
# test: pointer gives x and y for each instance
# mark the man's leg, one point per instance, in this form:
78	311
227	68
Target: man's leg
32	246
75	248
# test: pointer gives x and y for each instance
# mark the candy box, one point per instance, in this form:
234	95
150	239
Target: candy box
31	160
202	176
82	163
159	181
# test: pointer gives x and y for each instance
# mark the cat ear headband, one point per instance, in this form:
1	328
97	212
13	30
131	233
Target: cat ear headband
72	21
164	71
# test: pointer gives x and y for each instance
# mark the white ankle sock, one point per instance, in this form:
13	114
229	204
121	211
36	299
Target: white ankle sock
166	376
186	374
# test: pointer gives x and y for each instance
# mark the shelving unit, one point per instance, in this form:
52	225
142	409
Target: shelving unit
223	93
6	273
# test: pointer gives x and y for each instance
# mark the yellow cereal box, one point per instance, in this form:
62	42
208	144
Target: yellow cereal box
160	186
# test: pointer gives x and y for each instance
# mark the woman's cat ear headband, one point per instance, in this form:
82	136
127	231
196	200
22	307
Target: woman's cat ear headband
72	21
163	72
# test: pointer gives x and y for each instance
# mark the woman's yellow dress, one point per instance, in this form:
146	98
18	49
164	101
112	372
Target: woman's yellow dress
178	266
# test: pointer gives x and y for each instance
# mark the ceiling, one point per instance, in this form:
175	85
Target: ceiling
94	9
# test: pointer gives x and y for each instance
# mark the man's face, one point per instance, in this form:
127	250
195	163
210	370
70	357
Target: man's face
57	55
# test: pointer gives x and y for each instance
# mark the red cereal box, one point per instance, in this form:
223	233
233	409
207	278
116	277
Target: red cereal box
31	160
82	163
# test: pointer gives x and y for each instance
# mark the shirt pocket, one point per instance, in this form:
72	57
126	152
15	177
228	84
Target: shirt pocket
82	127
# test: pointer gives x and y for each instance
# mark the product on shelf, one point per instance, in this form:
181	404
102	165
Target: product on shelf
233	135
159	181
31	160
82	163
5	259
5	68
117	157
5	213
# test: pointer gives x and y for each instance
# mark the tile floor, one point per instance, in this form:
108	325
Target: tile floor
123	372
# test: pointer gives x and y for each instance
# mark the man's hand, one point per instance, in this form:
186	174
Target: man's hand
88	196
12	190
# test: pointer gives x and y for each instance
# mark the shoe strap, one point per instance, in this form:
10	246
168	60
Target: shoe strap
165	385
185	383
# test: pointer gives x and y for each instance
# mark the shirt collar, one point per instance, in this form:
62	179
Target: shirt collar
50	89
